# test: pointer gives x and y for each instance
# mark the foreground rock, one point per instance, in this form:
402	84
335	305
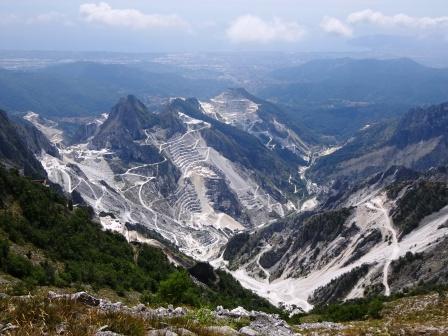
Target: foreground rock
222	330
260	323
322	325
139	310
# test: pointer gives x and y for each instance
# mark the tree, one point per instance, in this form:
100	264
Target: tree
179	288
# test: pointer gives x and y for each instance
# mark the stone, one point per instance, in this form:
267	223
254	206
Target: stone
321	325
240	312
4	296
139	308
8	327
184	332
85	298
103	328
271	325
162	312
221	311
222	330
161	332
248	331
180	311
61	328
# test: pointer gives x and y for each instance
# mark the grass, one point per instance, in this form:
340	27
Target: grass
38	315
425	314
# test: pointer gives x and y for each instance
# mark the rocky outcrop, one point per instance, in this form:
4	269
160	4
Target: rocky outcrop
260	323
108	306
18	145
418	141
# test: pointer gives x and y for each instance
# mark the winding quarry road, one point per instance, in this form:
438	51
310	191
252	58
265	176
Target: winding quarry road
377	204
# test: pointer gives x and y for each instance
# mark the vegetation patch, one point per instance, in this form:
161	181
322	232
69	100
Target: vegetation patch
77	252
423	199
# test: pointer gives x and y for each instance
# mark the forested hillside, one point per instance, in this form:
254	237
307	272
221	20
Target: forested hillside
44	241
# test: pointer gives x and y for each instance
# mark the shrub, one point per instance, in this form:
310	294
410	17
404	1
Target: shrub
179	288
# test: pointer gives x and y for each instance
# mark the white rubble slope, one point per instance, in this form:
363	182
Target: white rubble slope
371	213
188	217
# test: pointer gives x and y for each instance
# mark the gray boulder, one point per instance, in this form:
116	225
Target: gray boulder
248	331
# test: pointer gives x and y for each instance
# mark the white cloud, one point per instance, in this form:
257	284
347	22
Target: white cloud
335	26
403	20
132	18
250	28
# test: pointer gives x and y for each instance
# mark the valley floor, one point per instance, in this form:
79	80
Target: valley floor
296	291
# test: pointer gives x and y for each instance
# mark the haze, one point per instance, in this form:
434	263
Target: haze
402	27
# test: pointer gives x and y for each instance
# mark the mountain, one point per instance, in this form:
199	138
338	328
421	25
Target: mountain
190	178
87	88
337	97
19	143
377	240
418	140
366	80
381	217
195	175
45	241
217	180
265	120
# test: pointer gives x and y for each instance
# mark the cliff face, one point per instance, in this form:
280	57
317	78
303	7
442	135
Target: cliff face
374	239
18	145
418	140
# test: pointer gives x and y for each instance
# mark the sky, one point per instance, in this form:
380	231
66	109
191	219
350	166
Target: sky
222	25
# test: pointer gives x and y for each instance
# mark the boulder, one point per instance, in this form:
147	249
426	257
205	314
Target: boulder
180	311
161	332
222	330
239	312
248	331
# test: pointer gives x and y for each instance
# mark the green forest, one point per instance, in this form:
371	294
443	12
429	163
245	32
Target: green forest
77	252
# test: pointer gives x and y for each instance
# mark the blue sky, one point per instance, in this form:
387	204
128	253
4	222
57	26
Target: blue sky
216	25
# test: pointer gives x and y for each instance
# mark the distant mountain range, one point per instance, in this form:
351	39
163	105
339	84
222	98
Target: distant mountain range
400	81
86	88
337	97
326	99
301	214
418	140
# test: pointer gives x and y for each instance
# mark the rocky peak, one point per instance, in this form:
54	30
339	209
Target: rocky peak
131	114
126	122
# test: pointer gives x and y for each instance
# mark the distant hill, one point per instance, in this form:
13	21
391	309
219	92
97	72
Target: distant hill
367	80
418	140
337	97
86	88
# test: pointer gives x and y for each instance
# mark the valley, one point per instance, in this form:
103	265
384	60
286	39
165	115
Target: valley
189	216
178	168
293	291
195	198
